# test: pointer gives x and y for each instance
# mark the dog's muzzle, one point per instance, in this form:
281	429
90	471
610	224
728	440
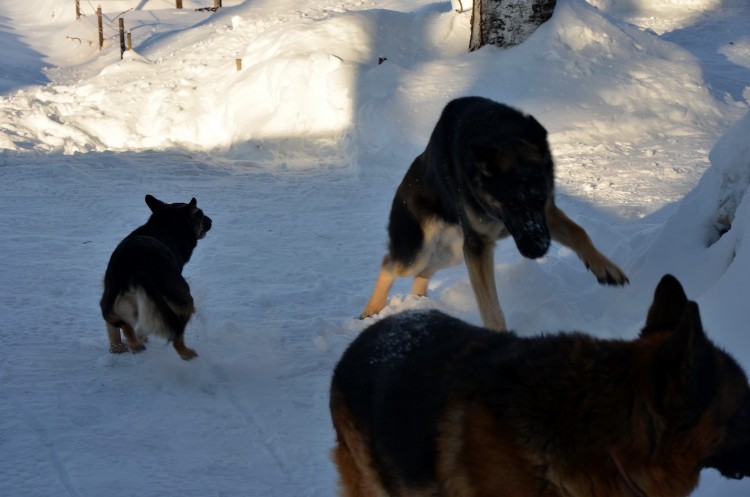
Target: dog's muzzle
205	226
531	236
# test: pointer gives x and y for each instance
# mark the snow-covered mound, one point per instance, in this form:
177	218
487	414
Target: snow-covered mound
311	85
704	240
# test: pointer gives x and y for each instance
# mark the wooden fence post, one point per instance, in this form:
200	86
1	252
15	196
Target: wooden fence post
217	4
78	9
101	27
238	64
130	41
178	4
122	36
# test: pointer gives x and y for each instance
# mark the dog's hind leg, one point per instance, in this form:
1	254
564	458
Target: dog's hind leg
567	232
134	343
166	311
480	264
184	351
115	341
177	318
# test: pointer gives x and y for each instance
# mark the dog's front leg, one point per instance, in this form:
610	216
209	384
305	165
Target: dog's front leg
379	298
567	232
480	261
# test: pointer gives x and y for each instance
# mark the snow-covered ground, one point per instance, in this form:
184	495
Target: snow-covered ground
296	158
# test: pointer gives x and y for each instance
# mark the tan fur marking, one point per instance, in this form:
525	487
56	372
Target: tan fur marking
115	341
134	344
357	477
450	446
482	271
490	228
141	318
482	278
441	248
493	461
136	309
419	287
379	298
184	352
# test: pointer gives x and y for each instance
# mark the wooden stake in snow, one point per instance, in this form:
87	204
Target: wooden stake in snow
122	36
78	9
238	63
99	24
178	4
130	41
217	4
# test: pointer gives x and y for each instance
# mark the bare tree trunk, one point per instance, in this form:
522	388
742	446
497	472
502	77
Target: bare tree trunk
507	22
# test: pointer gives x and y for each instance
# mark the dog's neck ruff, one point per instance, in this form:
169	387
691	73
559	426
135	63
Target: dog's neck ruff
629	483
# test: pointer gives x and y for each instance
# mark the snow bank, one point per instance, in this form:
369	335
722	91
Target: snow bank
703	244
312	78
726	301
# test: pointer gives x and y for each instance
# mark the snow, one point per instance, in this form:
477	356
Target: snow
296	158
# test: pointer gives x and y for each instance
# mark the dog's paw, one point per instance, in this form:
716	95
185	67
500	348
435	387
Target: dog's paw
118	348
614	280
136	347
372	310
187	353
609	274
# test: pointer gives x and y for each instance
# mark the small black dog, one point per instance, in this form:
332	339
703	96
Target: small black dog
487	173
144	291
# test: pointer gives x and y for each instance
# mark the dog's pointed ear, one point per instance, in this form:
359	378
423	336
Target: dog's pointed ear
684	378
688	333
154	203
193	203
668	306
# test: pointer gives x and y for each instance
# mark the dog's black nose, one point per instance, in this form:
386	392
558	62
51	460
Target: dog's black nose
533	247
531	235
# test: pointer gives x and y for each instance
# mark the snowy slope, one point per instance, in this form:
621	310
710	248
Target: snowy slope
296	158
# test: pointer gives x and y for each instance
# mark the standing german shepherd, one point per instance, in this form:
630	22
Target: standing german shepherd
144	291
486	173
426	405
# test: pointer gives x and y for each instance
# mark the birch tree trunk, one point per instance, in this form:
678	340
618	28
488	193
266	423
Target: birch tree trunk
507	22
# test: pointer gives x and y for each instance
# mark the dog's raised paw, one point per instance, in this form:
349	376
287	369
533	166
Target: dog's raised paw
608	274
615	278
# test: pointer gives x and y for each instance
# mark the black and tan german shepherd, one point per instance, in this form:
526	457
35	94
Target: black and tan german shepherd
426	405
486	173
144	291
